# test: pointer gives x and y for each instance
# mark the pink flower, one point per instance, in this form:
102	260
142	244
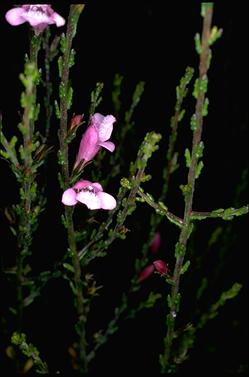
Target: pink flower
39	16
96	136
155	243
90	194
76	121
146	272
158	265
161	266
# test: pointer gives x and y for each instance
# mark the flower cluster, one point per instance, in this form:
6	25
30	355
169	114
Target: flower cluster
158	265
96	136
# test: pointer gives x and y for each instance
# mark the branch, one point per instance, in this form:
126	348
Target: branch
180	248
160	208
65	91
225	214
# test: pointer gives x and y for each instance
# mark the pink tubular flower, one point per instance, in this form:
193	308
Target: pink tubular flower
158	265
90	194
96	136
156	242
39	16
146	272
161	266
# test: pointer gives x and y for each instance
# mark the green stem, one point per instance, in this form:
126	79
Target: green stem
225	214
160	208
166	359
75	10
181	92
171	166
47	84
25	228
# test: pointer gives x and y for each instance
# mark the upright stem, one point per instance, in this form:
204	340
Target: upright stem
48	85
27	197
186	229
75	10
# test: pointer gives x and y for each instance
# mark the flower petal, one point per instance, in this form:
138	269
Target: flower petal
97	119
107	200
97	186
105	128
91	200
59	21
88	145
108	145
37	19
69	197
15	16
82	184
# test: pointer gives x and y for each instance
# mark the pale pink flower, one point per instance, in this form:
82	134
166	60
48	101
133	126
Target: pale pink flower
90	194
96	136
158	265
156	242
39	16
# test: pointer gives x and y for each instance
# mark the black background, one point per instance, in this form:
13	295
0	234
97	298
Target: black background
153	42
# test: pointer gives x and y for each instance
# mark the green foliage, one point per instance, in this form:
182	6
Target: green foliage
213	311
63	43
198	169
73	266
198	43
179	250
185	267
60	62
72	58
139	89
187	157
96	97
57	110
200	86
29	350
205	107
205	7
149	303
215	34
69	97
193	122
116	92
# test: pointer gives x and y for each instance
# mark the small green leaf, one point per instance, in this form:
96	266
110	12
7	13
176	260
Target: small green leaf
179	250
181	115
205	107
187	157
57	110
199	169
185	267
68	267
214	35
60	63
198	43
72	58
69	97
193	122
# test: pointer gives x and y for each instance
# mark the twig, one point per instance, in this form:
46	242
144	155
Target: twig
65	100
160	208
225	214
174	298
